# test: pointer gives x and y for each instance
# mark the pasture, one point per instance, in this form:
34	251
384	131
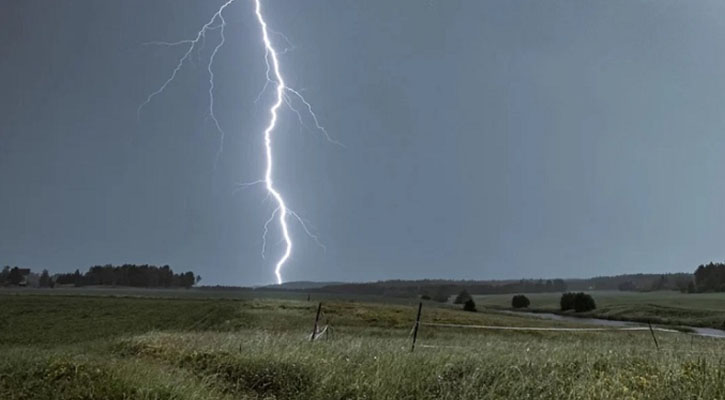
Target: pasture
102	347
662	307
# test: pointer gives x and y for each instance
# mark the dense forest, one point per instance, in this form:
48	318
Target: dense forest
710	277
149	276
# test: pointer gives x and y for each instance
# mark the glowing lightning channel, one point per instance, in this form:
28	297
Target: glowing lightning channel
284	95
270	52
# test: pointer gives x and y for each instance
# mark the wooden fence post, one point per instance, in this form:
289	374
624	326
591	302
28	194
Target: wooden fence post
653	335
417	324
317	319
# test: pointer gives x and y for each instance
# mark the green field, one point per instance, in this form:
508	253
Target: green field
662	307
179	347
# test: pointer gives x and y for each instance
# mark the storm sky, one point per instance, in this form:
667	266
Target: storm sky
483	139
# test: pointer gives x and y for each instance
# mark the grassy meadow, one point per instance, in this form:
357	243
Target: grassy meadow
103	347
662	307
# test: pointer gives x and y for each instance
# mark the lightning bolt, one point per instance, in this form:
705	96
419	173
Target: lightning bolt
271	53
284	95
199	40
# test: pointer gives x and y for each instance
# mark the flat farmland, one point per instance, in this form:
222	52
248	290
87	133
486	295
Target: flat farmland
111	347
661	307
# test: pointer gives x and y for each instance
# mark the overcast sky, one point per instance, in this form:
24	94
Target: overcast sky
483	139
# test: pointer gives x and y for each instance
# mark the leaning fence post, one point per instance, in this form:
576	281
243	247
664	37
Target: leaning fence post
653	335
317	319
417	324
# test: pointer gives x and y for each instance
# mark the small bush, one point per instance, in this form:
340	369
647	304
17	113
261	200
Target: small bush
462	297
470	305
578	302
520	301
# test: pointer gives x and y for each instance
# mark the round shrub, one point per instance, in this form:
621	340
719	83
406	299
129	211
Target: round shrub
520	301
584	302
567	301
470	305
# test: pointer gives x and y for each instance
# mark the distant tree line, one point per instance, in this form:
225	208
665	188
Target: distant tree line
17	276
634	282
148	276
707	278
442	290
129	275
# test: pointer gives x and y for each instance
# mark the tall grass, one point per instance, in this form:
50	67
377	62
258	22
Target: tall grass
259	349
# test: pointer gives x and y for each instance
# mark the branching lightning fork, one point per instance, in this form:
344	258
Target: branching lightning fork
283	95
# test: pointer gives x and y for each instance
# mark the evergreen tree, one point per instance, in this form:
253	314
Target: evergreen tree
15	276
45	279
462	297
